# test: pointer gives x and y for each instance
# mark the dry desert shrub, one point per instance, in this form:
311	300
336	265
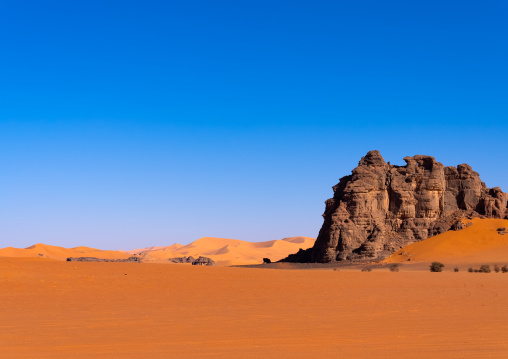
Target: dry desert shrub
504	269
456	269
436	267
394	267
496	268
366	269
484	268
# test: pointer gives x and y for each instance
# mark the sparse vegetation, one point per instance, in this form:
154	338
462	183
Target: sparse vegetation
484	268
436	267
504	269
456	269
394	267
267	260
366	269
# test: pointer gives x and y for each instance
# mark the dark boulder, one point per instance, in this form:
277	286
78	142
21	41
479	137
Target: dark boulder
203	261
184	259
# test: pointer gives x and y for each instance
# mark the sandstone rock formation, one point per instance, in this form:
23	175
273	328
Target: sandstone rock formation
183	259
203	261
380	208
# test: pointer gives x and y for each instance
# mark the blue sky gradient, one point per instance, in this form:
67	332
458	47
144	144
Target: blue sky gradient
127	124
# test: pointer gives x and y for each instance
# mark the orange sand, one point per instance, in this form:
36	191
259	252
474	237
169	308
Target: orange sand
223	251
59	253
479	243
54	309
229	251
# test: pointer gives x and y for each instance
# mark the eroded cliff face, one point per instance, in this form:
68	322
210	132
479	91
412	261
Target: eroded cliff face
380	207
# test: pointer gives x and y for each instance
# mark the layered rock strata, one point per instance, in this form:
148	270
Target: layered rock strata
380	208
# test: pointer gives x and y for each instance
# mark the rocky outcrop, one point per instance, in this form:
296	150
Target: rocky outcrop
184	259
94	259
380	208
203	261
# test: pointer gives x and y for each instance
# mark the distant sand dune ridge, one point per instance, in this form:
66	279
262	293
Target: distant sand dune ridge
60	253
229	251
222	250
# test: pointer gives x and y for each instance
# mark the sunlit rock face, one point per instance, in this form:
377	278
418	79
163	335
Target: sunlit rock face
380	208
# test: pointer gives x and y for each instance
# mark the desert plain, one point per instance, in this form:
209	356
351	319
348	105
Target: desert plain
56	309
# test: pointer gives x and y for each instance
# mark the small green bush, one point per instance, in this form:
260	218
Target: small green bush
394	267
436	267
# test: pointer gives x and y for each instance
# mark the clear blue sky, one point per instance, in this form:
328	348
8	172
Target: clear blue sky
126	124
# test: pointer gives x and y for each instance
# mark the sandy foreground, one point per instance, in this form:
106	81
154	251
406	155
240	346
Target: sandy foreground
54	309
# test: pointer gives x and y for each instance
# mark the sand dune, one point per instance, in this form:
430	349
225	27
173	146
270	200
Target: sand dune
154	248
228	251
60	253
479	243
222	250
54	309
